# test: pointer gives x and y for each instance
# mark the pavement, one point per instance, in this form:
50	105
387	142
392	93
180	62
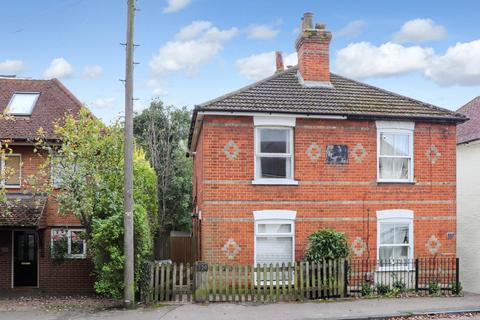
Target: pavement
347	309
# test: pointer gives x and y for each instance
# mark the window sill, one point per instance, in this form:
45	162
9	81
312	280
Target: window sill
392	268
286	182
395	182
11	187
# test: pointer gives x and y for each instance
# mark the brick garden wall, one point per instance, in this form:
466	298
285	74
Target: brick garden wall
344	197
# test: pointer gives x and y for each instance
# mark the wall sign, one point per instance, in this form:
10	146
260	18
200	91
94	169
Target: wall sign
337	154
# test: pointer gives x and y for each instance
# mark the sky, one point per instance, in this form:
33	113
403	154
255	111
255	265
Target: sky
191	51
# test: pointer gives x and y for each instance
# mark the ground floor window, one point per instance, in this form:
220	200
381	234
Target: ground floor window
69	242
274	237
394	236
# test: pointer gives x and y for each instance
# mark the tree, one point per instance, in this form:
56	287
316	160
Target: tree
326	244
90	160
163	132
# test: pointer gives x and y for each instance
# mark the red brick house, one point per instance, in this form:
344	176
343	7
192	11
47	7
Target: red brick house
29	222
307	149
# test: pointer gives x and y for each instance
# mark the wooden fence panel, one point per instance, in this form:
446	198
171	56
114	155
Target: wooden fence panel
243	283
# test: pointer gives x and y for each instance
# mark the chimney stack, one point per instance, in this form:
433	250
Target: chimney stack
313	46
279	61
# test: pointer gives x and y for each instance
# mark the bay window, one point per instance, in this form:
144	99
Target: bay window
395	151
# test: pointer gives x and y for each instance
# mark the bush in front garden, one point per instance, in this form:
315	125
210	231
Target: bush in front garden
326	244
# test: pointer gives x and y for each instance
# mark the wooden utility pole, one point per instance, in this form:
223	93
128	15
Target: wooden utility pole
128	276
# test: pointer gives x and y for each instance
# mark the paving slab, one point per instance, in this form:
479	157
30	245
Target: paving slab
349	309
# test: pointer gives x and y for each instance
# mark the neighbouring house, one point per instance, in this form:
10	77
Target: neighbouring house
306	149
30	223
468	195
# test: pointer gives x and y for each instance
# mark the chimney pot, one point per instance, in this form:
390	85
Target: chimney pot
307	21
279	61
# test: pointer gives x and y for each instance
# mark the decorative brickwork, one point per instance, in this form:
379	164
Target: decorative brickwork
433	244
358	246
314	152
231	150
359	152
433	154
231	249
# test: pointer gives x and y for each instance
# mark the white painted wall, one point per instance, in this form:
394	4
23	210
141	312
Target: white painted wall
468	214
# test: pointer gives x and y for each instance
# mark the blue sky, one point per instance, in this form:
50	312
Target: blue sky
195	50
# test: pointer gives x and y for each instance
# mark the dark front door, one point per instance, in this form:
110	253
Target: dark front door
25	259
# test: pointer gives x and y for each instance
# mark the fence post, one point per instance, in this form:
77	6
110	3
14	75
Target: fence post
457	274
417	265
345	278
201	282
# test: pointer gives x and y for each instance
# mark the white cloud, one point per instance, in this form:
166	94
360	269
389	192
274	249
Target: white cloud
262	32
351	29
104	102
138	106
262	65
363	60
459	65
59	68
419	30
157	87
176	5
93	72
193	46
11	67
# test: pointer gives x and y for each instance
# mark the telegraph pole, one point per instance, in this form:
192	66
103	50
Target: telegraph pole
128	276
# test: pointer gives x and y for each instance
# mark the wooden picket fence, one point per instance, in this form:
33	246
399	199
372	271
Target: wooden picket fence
247	283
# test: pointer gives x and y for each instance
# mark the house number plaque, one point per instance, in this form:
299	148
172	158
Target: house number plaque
202	266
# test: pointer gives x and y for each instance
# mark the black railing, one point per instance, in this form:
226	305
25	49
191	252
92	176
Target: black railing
435	275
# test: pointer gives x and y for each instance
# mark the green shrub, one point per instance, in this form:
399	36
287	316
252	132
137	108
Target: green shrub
367	289
393	292
434	288
457	289
326	244
400	286
382	289
59	250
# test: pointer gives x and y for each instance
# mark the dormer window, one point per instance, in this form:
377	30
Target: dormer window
22	103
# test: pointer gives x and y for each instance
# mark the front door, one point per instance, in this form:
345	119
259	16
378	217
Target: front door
25	258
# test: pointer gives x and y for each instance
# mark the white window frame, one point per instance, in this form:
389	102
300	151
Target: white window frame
396	216
401	128
273	217
2	169
273	122
55	184
69	242
23	113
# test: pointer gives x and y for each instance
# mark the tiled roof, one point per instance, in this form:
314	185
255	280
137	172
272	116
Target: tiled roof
54	101
470	130
22	210
283	93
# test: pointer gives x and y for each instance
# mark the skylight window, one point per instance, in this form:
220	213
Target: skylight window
22	103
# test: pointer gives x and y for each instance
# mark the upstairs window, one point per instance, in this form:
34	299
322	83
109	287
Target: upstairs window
22	103
395	152
11	173
274	153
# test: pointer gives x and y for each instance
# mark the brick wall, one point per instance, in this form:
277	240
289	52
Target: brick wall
344	197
